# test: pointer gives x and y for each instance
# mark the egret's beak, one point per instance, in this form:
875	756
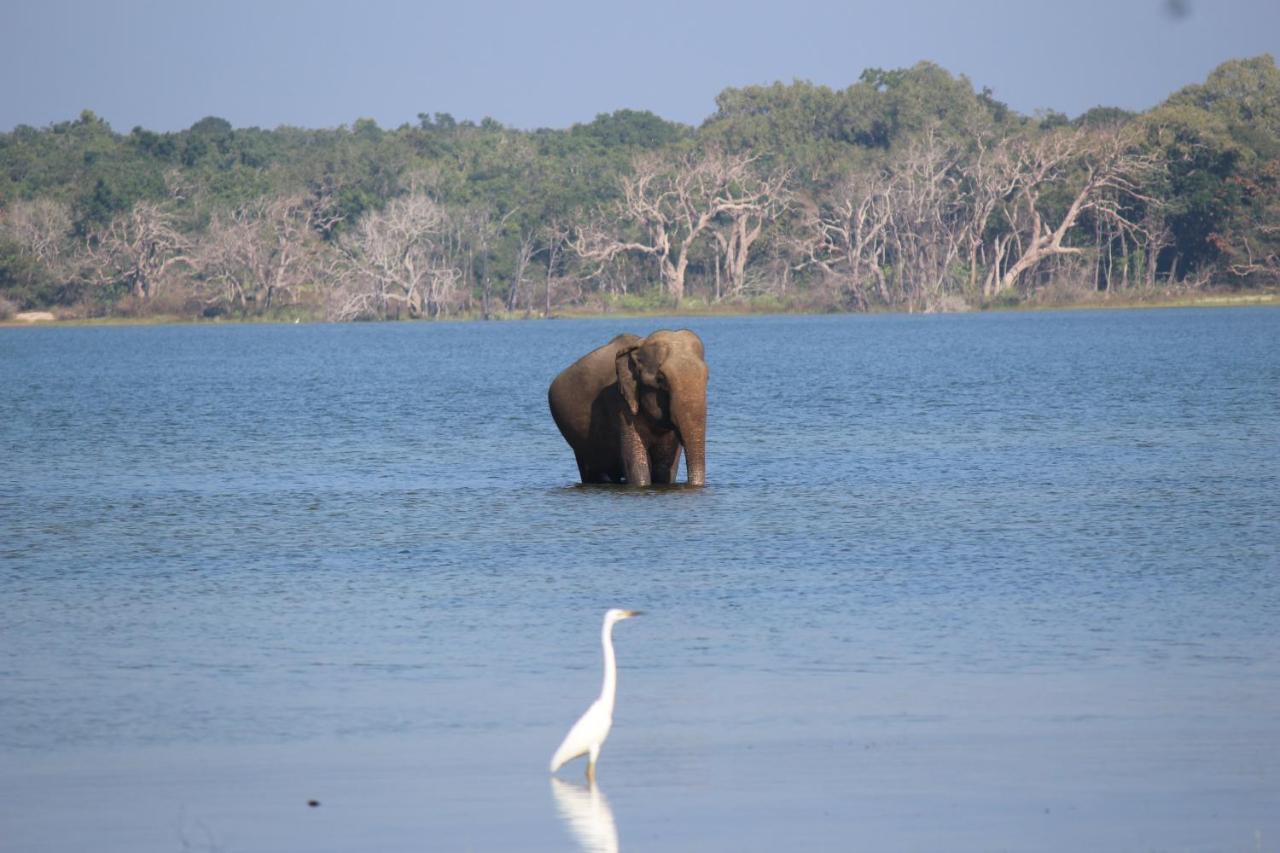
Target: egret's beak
631	613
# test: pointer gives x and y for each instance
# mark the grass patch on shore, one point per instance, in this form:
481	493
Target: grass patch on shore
629	306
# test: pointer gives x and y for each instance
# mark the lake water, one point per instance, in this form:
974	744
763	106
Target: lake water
978	582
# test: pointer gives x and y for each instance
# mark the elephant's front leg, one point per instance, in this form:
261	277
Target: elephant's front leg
635	456
665	454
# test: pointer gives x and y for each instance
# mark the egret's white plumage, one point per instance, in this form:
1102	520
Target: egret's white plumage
589	733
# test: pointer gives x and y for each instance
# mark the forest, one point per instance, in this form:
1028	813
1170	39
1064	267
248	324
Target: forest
909	190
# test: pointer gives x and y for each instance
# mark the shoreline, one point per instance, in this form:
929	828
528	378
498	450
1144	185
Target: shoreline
47	318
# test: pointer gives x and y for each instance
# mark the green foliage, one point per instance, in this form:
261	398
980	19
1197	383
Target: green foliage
1220	140
924	96
823	133
1103	117
635	303
1218	189
630	129
1053	119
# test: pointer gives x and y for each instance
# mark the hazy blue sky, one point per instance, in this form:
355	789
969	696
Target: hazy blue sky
164	65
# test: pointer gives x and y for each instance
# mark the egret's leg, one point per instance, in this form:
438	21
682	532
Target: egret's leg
591	764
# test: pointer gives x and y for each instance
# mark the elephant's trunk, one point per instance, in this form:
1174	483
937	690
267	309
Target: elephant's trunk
689	413
695	460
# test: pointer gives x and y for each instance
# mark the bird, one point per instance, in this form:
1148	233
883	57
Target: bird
588	734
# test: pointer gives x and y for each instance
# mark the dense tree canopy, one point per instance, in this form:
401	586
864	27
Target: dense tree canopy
907	189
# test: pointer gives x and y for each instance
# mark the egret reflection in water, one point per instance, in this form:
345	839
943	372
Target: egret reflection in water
585	810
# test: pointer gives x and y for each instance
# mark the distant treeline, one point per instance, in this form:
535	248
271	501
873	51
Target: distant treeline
908	190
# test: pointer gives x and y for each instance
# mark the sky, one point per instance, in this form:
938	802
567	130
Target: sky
553	63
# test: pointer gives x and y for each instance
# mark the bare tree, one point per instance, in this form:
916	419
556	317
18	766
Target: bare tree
401	256
138	249
941	216
845	237
226	255
927	218
667	207
556	235
738	227
482	230
895	233
265	251
526	249
989	178
40	228
1107	169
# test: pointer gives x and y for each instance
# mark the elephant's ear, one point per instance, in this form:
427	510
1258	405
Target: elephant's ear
627	379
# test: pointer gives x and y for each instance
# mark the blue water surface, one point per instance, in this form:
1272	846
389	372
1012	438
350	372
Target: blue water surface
972	582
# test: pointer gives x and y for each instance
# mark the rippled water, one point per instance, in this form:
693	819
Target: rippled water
956	582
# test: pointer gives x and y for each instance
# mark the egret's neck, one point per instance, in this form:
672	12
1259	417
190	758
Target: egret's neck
610	687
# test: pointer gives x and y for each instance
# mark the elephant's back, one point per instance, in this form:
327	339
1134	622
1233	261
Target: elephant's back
583	380
578	392
574	394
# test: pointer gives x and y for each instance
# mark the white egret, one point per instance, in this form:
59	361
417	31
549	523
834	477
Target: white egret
589	733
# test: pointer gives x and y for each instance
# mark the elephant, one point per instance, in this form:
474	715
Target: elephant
629	407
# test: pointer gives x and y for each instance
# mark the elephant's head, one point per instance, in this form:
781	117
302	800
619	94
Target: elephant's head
663	379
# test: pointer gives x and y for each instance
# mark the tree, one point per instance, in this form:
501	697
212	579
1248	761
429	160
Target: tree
740	226
265	251
40	227
138	250
400	257
36	251
668	206
905	228
555	236
845	238
927	220
630	128
905	189
1221	141
1105	167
